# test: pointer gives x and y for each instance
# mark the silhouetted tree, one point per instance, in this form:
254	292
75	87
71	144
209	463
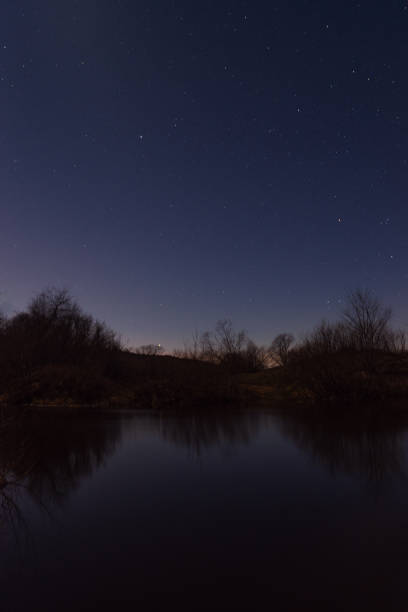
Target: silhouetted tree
367	321
398	341
190	350
224	346
228	340
149	349
54	343
279	349
353	358
255	357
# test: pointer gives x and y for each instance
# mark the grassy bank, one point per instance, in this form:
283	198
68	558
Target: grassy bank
344	377
137	381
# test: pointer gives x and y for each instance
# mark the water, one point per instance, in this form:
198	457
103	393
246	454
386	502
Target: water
246	510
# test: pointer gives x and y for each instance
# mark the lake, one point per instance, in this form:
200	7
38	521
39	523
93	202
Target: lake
242	510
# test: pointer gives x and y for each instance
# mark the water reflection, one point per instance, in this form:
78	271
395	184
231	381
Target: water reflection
200	432
239	528
371	448
45	458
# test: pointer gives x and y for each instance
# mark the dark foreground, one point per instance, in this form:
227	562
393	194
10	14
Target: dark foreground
244	510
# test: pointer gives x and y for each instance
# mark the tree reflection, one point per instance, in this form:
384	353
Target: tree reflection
369	447
199	432
46	457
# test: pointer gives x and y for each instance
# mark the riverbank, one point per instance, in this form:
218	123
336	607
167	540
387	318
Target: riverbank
170	383
129	380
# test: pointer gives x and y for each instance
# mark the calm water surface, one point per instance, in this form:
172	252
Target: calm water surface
240	511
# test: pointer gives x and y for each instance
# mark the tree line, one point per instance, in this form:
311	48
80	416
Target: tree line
364	326
360	354
55	336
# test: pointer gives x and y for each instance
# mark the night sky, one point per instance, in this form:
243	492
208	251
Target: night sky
177	162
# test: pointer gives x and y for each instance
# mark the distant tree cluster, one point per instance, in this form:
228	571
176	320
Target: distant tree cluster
348	356
149	349
224	346
356	355
279	349
364	327
53	332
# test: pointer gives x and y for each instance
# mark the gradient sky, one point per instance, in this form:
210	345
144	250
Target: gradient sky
177	162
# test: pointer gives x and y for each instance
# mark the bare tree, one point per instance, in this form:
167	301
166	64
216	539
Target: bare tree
255	357
228	340
367	320
190	350
208	348
400	341
326	338
226	347
52	304
397	341
279	349
149	349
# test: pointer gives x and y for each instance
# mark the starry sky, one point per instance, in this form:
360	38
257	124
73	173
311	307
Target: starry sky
175	162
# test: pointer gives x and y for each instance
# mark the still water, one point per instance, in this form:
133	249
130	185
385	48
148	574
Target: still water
245	510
